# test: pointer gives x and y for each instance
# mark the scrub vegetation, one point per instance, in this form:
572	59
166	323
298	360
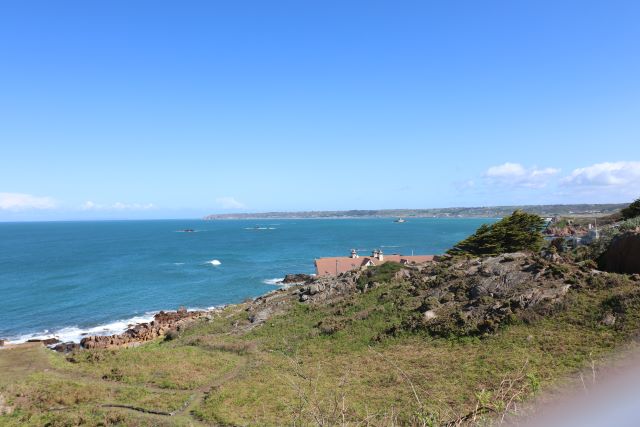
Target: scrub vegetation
424	345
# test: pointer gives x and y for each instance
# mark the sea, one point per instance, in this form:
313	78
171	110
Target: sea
70	279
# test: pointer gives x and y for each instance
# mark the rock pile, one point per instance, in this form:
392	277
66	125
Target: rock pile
326	289
297	278
159	326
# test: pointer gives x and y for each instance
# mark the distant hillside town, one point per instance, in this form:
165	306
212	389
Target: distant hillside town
460	212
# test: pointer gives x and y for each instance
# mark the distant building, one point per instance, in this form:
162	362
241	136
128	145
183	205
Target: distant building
334	266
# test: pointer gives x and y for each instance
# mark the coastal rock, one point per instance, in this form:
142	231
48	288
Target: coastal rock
162	323
2	342
261	316
297	278
267	306
67	347
608	319
327	289
430	314
479	294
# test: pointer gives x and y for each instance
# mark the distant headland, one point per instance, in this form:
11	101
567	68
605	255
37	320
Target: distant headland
456	212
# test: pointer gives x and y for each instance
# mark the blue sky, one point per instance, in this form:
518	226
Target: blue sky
154	109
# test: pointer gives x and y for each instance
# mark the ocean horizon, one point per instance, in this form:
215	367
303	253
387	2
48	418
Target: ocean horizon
67	279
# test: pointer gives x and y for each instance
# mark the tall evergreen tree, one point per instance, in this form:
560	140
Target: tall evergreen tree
519	231
631	211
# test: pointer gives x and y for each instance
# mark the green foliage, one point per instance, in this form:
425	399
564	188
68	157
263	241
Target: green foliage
630	224
598	247
335	362
380	274
518	232
631	211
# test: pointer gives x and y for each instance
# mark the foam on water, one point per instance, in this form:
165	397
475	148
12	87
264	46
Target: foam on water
214	262
75	334
274	281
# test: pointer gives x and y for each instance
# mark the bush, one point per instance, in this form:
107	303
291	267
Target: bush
631	211
520	231
381	274
630	224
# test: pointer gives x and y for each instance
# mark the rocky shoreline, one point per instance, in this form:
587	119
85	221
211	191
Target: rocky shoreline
162	323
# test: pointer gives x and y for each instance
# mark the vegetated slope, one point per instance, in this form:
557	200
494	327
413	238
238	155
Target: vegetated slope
421	345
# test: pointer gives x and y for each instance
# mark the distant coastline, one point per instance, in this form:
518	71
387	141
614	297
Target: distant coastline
455	212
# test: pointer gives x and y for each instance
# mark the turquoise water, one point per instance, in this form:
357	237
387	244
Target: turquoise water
69	278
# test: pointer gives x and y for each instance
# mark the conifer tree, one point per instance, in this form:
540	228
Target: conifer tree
631	211
519	231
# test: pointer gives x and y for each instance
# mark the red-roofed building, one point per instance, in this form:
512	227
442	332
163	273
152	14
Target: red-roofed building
333	266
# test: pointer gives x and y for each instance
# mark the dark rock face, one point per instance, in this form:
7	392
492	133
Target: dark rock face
67	347
623	254
1	342
159	326
297	278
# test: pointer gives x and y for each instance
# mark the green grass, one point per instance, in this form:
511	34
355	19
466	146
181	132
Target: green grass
350	360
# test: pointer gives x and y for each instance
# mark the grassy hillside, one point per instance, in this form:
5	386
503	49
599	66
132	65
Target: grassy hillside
369	354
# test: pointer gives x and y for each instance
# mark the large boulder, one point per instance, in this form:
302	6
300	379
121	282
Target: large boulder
623	254
297	278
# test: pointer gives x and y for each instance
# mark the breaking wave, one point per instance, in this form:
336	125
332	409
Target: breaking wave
75	333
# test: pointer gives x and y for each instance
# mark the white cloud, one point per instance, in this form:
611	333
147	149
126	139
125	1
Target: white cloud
622	175
506	170
229	203
20	201
118	206
514	174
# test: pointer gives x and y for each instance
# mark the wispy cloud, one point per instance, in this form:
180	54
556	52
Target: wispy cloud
516	175
118	206
229	203
21	202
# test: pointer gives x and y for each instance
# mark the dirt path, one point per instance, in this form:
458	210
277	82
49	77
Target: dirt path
186	411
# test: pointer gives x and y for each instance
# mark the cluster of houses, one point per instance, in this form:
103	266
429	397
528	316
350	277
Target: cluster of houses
333	266
572	235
